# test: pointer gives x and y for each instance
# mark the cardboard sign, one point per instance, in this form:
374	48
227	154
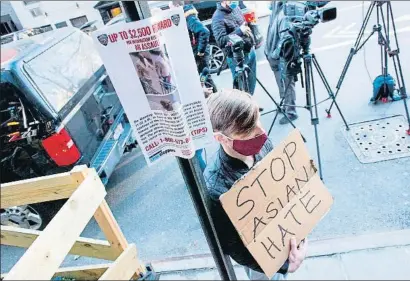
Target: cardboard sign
280	198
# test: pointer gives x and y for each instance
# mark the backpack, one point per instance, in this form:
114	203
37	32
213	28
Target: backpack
383	88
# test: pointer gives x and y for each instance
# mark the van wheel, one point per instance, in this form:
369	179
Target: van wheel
22	216
34	217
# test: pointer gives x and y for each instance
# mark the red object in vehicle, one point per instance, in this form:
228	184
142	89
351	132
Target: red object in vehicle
61	148
250	16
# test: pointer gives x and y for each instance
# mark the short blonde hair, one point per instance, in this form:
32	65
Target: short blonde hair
233	112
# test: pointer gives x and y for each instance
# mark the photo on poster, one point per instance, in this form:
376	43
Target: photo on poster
164	103
154	71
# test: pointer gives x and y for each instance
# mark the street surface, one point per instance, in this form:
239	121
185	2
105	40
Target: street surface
154	208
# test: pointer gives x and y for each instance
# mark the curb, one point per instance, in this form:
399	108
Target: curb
317	248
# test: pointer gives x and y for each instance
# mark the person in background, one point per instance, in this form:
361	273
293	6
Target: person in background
228	20
278	22
243	142
198	34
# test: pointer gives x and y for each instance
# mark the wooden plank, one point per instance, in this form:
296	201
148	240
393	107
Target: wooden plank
124	267
88	272
41	189
48	251
23	238
110	228
112	231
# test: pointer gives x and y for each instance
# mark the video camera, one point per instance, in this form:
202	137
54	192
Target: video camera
236	45
239	46
308	13
302	17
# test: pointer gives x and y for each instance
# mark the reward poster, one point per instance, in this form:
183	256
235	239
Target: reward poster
153	70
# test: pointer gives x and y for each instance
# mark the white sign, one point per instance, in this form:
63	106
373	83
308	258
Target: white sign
153	70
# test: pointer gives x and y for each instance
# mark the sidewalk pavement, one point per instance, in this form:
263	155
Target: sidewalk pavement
382	256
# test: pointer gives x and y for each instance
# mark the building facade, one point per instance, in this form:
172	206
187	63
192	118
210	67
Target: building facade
17	15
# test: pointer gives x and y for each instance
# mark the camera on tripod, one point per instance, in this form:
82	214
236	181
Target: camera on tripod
239	46
302	17
236	45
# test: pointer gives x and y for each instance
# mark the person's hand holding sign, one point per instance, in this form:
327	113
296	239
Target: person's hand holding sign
297	254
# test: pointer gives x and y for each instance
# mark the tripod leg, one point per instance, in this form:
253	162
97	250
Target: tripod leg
310	89
329	90
276	116
400	71
364	24
277	106
246	82
357	46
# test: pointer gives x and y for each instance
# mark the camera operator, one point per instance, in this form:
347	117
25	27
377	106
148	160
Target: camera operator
278	23
243	142
228	20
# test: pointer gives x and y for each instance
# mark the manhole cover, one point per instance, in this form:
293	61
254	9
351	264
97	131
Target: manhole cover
379	140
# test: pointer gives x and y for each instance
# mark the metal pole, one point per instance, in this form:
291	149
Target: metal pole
191	172
195	182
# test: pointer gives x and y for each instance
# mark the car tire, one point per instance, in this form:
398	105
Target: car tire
33	216
216	58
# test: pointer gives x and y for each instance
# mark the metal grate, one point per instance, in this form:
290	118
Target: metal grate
379	140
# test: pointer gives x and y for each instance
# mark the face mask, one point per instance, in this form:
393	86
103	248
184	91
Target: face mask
249	147
233	4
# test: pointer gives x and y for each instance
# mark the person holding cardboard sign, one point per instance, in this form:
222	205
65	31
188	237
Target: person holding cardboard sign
236	123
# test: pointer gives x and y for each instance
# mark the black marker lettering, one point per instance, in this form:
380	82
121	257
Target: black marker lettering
243	203
259	183
272	210
293	215
289	190
256	222
270	247
283	167
285	150
284	232
300	180
306	205
280	202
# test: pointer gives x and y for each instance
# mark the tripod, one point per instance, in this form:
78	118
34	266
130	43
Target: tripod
310	91
385	50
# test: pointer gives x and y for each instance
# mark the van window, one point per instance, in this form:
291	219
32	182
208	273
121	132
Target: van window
63	69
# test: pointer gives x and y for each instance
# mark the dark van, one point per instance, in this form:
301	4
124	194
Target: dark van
58	109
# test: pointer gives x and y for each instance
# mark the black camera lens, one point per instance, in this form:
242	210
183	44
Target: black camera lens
328	14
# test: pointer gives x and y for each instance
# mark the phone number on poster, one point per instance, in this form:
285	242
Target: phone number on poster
176	141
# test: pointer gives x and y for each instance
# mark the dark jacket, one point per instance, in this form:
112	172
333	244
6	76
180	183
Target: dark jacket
277	23
198	33
226	21
219	176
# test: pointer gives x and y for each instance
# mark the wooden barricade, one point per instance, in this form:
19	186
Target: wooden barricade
48	248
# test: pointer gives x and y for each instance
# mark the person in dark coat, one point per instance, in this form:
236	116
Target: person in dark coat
226	20
198	34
